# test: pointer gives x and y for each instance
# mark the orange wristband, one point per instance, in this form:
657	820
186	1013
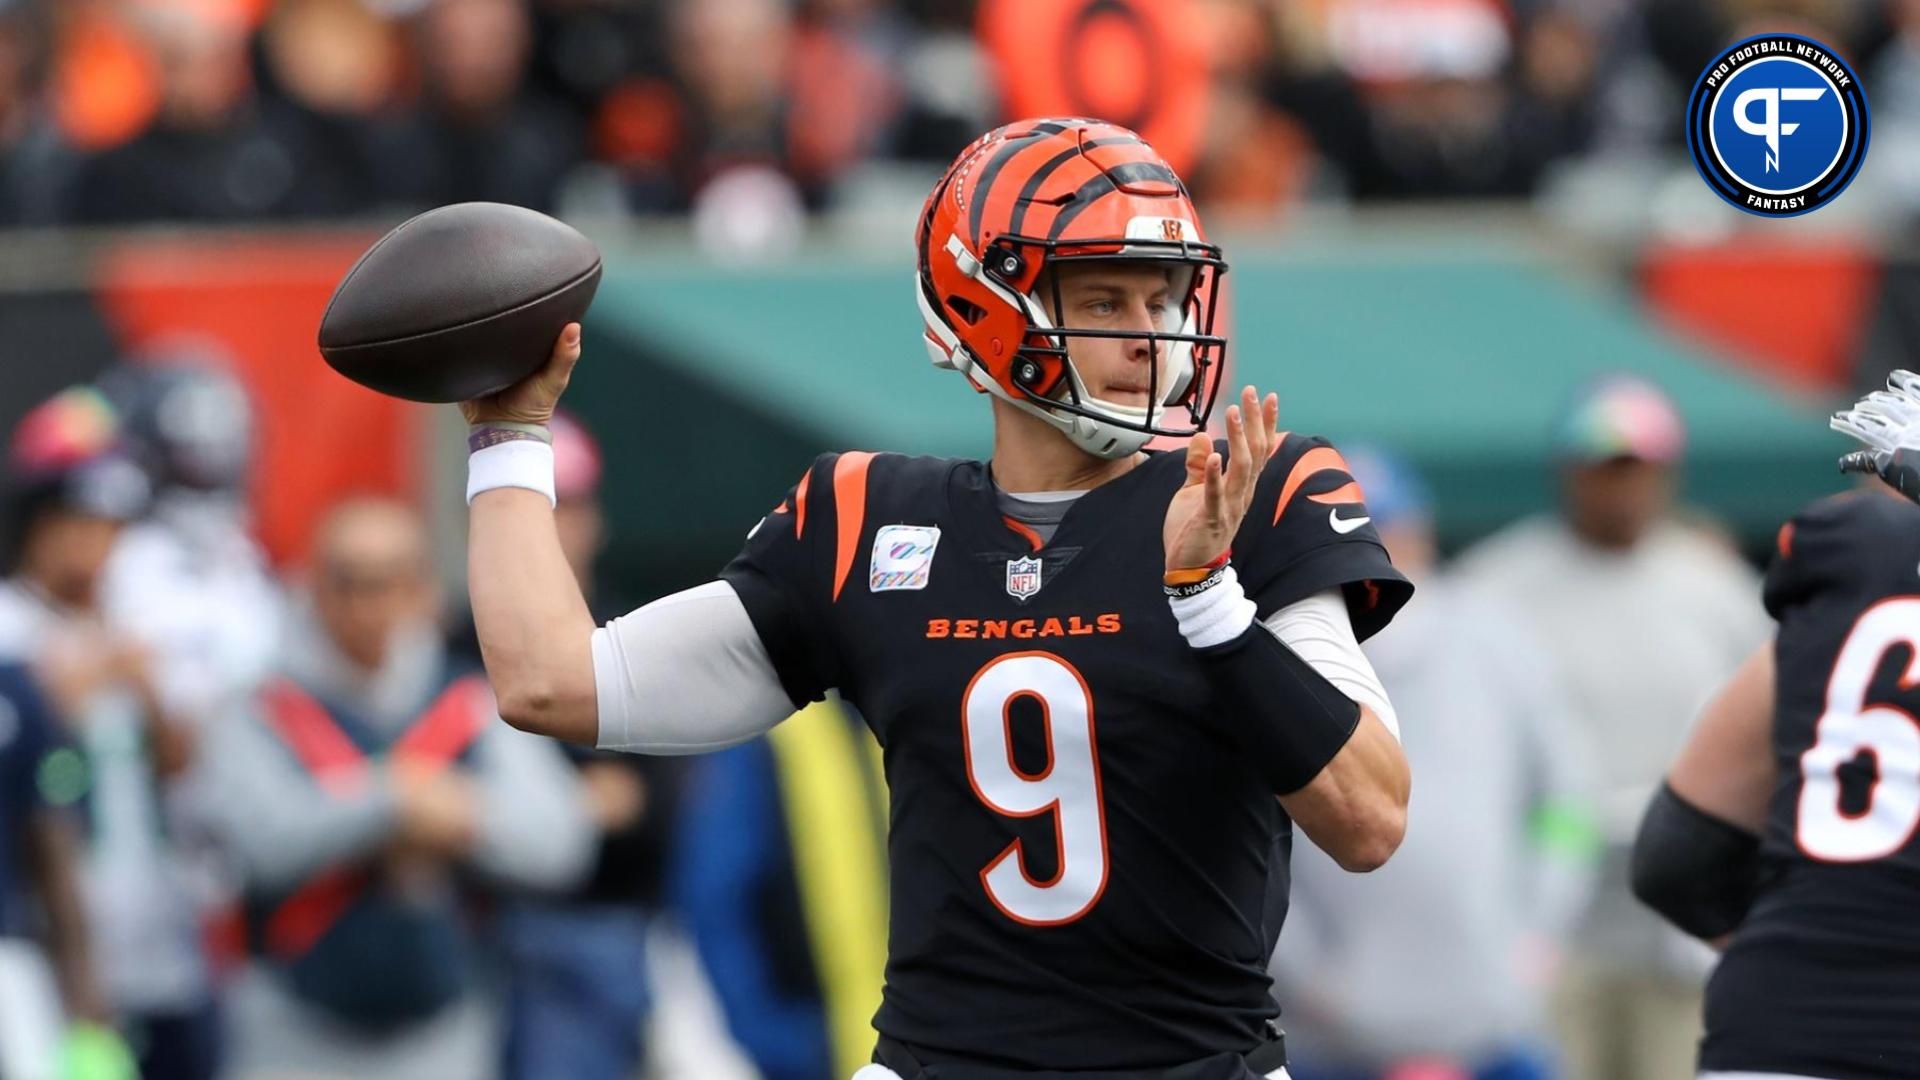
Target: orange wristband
1198	573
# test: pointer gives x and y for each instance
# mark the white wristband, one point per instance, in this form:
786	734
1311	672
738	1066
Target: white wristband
521	463
1215	616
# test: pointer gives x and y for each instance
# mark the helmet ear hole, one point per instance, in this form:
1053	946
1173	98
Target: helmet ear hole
969	312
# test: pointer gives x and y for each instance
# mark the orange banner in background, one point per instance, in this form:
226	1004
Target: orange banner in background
320	437
1141	64
1792	311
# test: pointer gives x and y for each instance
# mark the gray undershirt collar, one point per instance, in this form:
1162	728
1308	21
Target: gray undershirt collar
1041	511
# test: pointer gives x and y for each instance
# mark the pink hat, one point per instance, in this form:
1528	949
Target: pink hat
576	459
74	426
1620	416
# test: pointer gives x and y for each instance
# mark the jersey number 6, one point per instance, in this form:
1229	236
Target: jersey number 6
1068	786
1849	727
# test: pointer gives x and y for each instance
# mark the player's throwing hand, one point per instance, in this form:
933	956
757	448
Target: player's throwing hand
532	399
1208	508
1888	422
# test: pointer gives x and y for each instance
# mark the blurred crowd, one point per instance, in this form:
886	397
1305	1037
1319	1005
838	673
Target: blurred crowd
762	110
260	824
272	826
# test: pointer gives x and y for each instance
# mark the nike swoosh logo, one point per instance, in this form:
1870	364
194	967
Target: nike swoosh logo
1345	525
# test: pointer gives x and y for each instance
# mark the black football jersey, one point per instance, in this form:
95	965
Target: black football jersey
1081	863
1823	977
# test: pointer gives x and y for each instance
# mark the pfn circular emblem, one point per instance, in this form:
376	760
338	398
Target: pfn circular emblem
1777	125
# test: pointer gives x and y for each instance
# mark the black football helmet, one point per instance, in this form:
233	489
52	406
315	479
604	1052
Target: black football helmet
184	417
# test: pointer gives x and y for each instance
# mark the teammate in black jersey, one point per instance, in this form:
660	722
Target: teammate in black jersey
1789	821
1107	681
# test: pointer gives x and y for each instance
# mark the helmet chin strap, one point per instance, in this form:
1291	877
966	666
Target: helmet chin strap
1096	437
1100	438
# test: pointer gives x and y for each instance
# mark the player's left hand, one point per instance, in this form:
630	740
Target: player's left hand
1888	422
1208	508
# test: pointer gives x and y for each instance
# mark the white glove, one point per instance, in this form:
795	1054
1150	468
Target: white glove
1888	422
1885	420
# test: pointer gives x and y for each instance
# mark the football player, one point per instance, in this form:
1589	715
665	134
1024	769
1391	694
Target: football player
1107	681
189	581
1786	829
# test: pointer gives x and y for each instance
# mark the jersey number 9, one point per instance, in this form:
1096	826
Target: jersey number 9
1068	787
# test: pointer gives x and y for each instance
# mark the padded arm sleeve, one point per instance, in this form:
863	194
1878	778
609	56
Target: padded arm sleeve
684	675
1699	872
1320	630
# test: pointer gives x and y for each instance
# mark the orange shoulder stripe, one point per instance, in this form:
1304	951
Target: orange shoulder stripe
1348	492
1784	540
800	505
1319	459
849	511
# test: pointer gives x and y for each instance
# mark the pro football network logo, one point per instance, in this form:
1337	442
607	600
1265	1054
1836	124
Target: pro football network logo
1778	125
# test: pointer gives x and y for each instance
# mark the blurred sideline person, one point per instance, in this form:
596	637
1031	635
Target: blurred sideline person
578	992
780	876
1035	866
190	583
1641	614
374	800
54	1017
1446	955
71	497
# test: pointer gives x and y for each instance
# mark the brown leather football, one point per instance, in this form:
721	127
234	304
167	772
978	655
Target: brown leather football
459	302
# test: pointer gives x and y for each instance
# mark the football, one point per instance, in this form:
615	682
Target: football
459	302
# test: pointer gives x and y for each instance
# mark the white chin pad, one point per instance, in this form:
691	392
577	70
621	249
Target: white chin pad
1180	360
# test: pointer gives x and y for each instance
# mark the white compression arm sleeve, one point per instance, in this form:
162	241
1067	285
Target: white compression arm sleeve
1319	630
684	675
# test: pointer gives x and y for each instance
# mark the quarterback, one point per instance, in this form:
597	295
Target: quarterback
1108	682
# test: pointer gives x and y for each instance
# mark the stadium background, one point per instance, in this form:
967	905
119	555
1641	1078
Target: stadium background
1442	217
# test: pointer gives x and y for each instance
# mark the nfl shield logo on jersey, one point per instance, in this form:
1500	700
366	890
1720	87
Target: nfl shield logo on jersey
1023	577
